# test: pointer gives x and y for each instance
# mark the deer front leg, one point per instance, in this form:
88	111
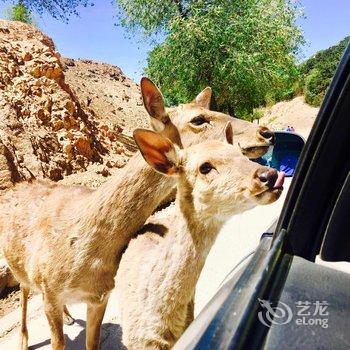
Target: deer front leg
67	317
95	313
54	315
24	330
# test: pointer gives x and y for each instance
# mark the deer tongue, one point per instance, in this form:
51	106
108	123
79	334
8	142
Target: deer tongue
280	180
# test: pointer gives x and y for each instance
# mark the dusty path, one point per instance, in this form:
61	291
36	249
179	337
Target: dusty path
294	113
39	334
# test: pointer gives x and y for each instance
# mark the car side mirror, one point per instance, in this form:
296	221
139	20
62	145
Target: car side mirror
285	153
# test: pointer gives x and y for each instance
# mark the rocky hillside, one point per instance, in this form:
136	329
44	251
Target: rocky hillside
107	93
60	117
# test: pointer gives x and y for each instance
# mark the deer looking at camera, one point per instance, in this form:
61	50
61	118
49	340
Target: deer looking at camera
158	272
66	241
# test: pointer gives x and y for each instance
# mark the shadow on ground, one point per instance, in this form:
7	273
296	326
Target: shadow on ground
111	335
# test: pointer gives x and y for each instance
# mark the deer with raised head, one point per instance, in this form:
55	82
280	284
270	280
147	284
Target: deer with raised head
66	241
158	272
191	123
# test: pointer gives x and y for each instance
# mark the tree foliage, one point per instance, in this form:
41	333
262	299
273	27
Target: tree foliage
151	16
244	49
59	9
317	72
19	12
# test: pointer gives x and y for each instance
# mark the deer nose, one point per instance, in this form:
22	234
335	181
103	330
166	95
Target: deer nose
267	134
268	177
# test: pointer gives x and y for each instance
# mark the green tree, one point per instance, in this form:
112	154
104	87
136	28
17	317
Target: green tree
59	9
244	49
152	16
19	12
315	87
317	72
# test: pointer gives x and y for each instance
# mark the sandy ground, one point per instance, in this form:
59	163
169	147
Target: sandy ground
39	334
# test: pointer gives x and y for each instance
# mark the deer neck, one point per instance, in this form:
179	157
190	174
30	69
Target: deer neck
187	244
116	210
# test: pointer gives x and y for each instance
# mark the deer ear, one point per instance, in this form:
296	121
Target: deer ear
158	151
229	133
203	98
154	104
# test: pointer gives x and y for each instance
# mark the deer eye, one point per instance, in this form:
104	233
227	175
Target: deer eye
206	168
199	120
